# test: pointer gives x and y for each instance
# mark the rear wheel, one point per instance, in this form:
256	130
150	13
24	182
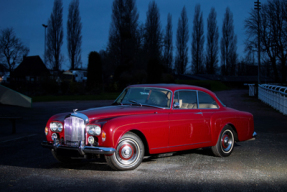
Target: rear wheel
225	143
129	153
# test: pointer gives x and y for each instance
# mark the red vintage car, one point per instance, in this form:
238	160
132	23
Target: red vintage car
146	120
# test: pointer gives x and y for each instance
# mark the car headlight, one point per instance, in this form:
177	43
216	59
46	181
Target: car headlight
56	126
94	130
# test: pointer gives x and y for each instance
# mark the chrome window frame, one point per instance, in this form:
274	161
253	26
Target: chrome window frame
178	98
197	98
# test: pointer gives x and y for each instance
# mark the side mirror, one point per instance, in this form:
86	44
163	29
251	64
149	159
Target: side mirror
176	105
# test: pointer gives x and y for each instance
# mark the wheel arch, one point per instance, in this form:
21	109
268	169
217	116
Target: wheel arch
143	138
233	129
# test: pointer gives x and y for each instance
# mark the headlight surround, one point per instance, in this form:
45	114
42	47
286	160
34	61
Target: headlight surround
94	130
56	126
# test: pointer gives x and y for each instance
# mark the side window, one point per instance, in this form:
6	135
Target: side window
185	99
206	101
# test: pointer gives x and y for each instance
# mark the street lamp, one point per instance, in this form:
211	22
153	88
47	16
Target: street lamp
253	50
257	6
45	26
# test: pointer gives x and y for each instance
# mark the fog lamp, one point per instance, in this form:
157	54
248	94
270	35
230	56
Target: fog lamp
54	136
91	140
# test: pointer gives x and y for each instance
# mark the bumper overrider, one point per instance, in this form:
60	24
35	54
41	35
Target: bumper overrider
254	135
82	149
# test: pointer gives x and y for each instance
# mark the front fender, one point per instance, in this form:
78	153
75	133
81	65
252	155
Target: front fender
154	127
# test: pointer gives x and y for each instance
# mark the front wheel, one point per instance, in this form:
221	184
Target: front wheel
129	153
225	143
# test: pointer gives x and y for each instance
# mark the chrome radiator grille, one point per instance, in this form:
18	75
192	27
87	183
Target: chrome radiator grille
74	128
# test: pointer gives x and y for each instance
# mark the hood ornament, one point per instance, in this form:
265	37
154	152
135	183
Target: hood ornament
74	110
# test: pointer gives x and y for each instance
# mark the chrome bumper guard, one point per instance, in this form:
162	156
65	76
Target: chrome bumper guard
81	148
254	135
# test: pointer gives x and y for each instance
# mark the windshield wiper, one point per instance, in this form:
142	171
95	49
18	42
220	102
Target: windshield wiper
133	101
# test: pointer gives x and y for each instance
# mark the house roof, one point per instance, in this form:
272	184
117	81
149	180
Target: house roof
3	68
31	66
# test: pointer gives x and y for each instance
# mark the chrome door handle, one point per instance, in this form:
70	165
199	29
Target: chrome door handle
198	113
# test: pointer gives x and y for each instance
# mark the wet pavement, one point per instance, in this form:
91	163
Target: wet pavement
259	165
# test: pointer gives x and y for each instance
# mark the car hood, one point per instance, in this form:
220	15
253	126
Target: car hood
111	112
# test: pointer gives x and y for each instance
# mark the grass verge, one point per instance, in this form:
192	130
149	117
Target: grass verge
102	96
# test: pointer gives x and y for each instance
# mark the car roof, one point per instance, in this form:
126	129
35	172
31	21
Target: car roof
173	87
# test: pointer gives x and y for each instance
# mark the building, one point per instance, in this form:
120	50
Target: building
31	69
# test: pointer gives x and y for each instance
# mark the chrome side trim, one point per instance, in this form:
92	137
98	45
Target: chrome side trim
181	145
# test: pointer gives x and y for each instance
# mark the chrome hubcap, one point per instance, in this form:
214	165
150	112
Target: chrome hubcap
127	152
227	141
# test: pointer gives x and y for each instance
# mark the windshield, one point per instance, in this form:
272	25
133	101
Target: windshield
145	96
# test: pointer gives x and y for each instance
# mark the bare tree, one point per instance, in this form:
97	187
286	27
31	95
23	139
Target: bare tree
228	45
168	48
277	13
55	36
182	36
273	36
74	34
153	35
212	43
12	49
197	43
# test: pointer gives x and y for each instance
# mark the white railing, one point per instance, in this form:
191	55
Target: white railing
275	96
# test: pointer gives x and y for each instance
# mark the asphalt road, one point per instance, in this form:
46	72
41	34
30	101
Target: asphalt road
259	165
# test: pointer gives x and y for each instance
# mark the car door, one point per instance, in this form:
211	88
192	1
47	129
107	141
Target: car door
208	107
187	123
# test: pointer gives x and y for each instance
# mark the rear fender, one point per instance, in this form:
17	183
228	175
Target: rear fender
241	122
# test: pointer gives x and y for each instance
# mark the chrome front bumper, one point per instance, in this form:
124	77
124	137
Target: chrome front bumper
81	148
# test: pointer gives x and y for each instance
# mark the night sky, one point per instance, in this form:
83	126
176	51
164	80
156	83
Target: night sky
27	17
